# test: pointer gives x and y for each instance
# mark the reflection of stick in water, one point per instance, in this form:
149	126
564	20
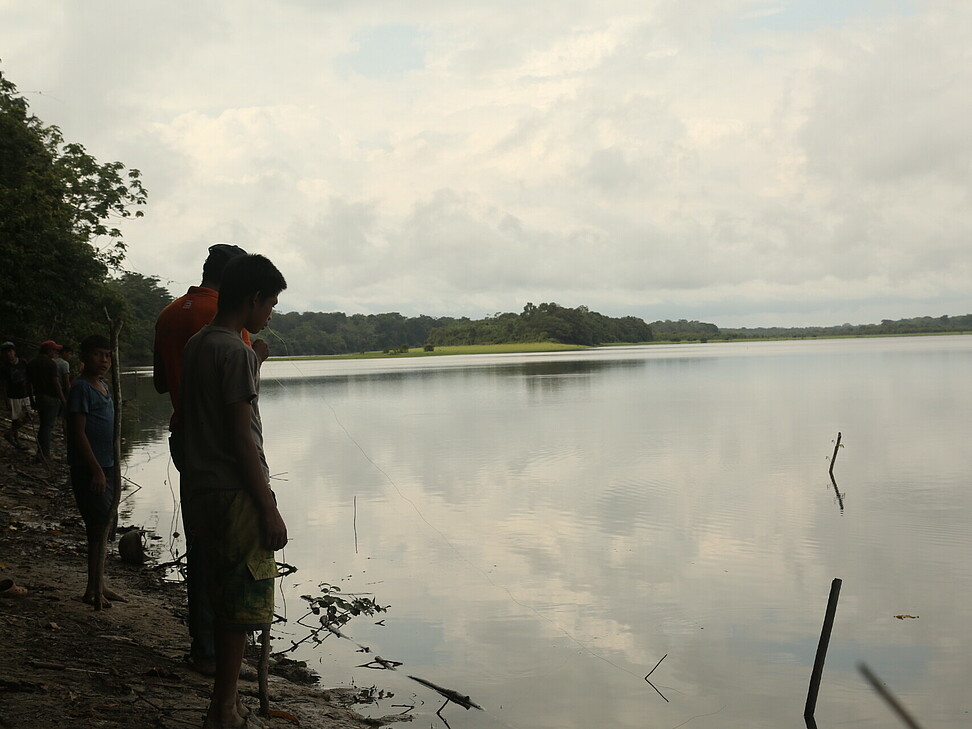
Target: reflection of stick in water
833	460
840	496
653	685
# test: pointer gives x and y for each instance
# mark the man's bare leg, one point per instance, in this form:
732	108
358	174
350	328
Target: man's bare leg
224	711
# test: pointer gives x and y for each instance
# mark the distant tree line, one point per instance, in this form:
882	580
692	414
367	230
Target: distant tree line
316	333
546	322
313	333
684	331
914	325
697	331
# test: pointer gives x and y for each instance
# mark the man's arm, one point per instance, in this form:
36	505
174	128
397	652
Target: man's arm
274	529
158	372
57	387
76	423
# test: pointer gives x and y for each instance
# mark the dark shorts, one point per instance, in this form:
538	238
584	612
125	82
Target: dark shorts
239	570
95	508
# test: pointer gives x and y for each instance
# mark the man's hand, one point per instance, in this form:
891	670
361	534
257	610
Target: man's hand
262	349
274	529
98	482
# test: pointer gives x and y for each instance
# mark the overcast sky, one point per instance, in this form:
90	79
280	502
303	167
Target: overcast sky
744	162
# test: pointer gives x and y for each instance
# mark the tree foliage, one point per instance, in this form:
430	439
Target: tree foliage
143	298
58	236
311	333
547	322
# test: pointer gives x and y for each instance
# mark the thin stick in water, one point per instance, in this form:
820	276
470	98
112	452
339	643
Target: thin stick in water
818	663
833	458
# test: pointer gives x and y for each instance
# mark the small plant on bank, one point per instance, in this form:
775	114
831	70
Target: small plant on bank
332	609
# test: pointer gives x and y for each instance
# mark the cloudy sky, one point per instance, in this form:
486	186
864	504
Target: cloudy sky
744	162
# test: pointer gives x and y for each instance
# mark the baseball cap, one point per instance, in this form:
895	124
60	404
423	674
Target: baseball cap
224	251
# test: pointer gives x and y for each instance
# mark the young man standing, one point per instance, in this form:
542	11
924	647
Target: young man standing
225	476
176	324
48	395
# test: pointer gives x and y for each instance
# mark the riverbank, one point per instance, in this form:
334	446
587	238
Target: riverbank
533	347
65	665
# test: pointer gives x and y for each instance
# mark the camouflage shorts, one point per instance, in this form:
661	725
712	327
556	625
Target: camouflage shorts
238	570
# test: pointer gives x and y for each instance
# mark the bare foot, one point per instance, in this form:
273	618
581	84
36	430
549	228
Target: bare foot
213	721
89	598
241	709
110	594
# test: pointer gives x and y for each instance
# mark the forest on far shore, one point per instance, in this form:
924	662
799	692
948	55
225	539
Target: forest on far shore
312	333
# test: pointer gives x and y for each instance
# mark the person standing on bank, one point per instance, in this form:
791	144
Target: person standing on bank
16	387
179	321
91	456
226	478
48	395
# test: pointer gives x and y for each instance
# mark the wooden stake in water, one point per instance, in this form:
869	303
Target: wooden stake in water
818	663
833	458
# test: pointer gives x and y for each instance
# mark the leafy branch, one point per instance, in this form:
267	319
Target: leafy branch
332	609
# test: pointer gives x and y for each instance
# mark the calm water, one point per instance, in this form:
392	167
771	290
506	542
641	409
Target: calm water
547	527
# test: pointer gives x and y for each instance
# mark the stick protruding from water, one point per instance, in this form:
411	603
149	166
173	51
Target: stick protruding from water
818	663
833	458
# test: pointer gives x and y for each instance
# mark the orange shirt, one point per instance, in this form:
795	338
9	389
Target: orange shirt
176	324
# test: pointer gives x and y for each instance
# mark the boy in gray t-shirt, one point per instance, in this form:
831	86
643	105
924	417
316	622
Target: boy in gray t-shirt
226	481
91	455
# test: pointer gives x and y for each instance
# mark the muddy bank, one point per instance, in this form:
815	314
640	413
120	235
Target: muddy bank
65	665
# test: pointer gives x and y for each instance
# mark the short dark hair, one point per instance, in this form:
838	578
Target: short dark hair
248	275
93	342
219	255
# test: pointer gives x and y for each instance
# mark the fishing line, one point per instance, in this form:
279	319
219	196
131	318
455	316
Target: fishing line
442	535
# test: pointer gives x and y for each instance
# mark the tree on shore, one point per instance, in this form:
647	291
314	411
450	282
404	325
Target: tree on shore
59	209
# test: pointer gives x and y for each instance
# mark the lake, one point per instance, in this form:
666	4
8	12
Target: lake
547	527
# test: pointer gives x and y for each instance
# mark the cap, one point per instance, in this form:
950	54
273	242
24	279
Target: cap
50	344
224	251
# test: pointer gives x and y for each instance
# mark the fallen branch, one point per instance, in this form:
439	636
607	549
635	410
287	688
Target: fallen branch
264	669
453	696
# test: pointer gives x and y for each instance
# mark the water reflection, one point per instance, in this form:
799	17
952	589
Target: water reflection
551	526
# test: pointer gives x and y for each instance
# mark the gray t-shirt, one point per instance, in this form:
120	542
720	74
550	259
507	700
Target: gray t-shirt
218	369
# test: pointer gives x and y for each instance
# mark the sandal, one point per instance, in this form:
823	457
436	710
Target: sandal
9	589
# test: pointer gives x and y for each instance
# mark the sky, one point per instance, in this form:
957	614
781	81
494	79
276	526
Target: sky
742	162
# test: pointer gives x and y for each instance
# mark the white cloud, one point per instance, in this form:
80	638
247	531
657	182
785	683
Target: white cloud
731	160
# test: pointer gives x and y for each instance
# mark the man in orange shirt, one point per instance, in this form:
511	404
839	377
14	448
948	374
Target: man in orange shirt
179	321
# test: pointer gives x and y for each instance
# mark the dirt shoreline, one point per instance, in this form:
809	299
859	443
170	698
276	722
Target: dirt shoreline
65	665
